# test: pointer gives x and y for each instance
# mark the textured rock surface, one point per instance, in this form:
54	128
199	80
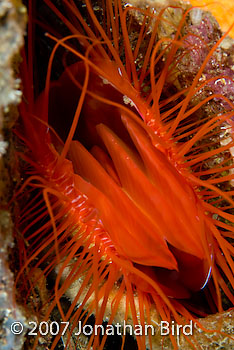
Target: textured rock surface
12	25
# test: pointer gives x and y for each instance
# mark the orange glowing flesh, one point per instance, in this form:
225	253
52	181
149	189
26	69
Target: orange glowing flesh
136	182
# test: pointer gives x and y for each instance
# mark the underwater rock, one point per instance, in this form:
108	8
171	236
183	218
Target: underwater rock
12	26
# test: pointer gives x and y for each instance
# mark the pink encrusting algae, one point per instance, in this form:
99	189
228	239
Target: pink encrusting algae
133	190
